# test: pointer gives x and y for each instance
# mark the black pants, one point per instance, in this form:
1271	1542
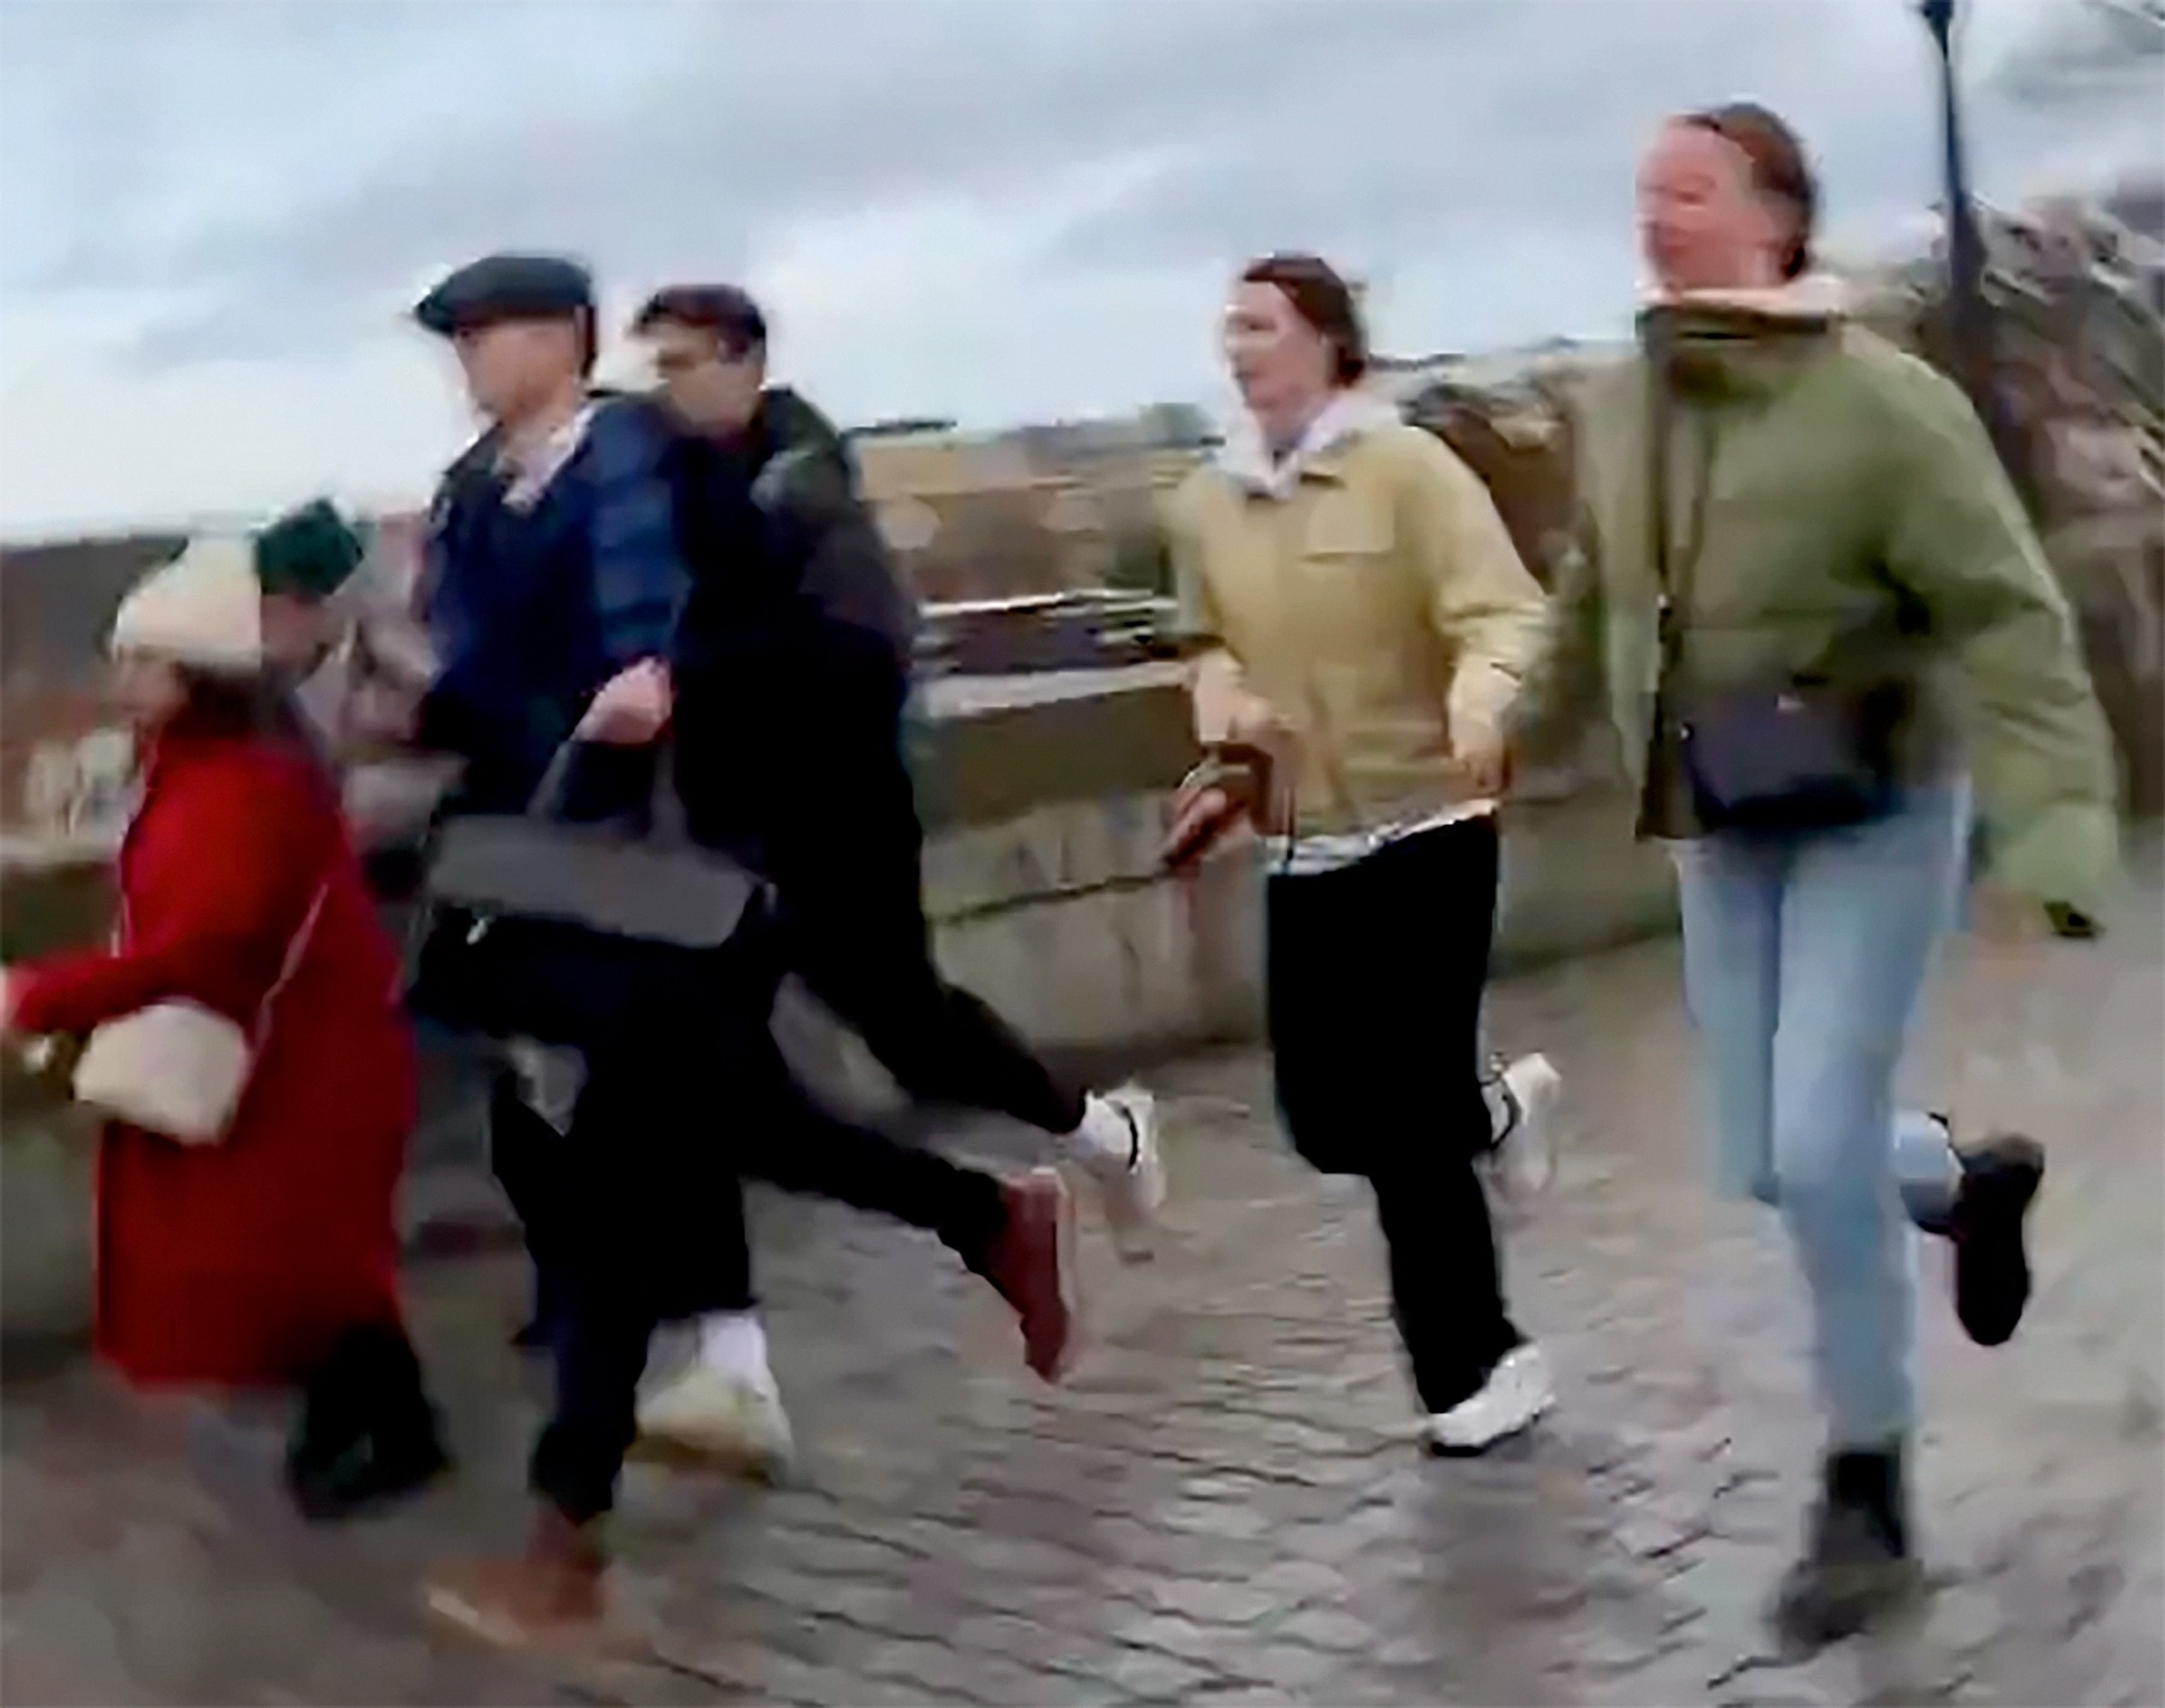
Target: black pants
525	1154
641	1202
829	803
859	938
1375	973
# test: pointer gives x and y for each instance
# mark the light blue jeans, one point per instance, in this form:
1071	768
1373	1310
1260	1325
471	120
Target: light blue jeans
1805	957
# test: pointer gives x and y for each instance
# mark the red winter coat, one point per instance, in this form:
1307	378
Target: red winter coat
235	1264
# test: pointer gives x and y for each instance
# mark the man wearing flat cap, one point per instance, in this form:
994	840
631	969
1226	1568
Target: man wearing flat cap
554	587
506	288
557	518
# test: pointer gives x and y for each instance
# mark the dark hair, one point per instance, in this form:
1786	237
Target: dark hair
590	342
1779	168
1324	301
724	310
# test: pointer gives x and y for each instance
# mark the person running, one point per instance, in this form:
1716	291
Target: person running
1358	621
553	590
1838	621
268	1258
806	640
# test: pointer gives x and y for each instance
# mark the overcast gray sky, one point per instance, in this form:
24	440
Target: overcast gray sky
213	212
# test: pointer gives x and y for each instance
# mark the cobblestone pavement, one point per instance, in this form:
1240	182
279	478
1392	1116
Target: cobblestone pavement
1225	1505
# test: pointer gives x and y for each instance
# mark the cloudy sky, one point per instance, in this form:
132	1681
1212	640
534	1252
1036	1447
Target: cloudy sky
213	211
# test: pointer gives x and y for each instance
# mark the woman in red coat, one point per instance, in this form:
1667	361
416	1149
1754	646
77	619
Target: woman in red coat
269	1258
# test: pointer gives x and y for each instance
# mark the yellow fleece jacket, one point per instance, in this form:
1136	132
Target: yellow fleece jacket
1357	602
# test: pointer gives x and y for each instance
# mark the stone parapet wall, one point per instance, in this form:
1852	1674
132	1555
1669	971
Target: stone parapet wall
1042	882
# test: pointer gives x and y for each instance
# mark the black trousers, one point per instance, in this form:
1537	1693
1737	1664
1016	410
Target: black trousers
859	938
1375	976
525	1154
825	796
641	1206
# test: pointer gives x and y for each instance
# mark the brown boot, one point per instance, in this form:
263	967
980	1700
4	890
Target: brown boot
1031	1262
551	1596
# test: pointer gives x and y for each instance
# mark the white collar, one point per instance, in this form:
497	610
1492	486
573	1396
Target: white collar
1814	297
1245	456
533	466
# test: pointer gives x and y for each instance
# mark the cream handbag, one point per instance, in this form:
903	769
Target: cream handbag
177	1068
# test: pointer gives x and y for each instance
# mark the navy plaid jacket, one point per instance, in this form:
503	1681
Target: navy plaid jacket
533	606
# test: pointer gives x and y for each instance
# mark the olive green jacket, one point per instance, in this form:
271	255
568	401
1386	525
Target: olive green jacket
1821	482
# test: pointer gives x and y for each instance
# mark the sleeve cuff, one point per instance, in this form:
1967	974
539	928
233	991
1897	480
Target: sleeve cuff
2068	854
1480	701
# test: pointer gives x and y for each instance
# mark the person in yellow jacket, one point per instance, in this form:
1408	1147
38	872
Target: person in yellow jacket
1355	610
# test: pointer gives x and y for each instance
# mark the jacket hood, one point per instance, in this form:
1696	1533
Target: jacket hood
792	425
1742	343
1815	296
1245	457
796	451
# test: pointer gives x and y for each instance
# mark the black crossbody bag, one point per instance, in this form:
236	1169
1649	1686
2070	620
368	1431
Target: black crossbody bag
1803	753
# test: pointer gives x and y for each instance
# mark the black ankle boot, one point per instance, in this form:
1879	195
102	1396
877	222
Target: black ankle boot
367	1433
374	1471
2071	922
2000	1178
1857	1565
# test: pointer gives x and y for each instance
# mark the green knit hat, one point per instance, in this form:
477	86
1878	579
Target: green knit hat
309	552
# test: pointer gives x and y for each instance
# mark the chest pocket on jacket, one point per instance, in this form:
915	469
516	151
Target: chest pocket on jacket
1341	529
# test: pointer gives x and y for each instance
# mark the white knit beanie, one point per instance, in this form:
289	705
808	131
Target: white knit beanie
204	608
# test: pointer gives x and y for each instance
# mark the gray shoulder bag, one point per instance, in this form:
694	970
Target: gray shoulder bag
659	888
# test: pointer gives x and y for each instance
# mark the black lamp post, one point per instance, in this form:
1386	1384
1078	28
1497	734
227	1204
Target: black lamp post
1970	321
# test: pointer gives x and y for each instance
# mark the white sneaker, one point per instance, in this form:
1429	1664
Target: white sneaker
724	1419
1518	1391
1522	1101
1122	1156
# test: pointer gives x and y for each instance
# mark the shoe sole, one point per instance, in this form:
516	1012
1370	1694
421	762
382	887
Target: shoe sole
1439	1449
1872	1597
1070	1280
1131	1216
1132	1195
1992	1261
1060	1203
1526	1159
319	1508
564	1641
1543	1404
675	1453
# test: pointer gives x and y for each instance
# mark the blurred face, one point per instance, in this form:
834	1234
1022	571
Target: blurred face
707	384
1283	366
513	365
1703	225
146	690
297	632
